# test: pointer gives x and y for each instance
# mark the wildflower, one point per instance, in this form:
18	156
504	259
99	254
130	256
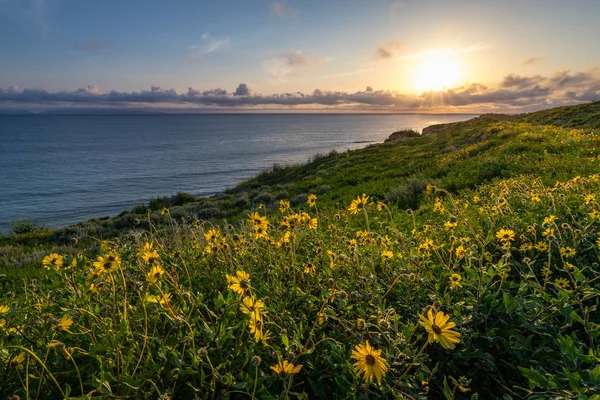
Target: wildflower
4	309
310	268
386	255
164	211
506	235
594	214
313	224
156	272
589	198
549	220
93	289
439	329
163	300
284	205
286	368
548	233
256	325
212	236
535	198
369	362
321	318
546	272
526	247
312	200
250	305
358	204
257	220
476	199
429	189
18	361
562	283
567	252
53	260
65	322
541	246
460	252
438	206
455	280
380	206
150	256
107	263
239	283
450	225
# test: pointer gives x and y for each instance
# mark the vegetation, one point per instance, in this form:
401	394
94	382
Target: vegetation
459	265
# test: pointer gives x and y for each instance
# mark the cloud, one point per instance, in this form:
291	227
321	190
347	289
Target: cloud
388	50
281	9
291	62
207	45
243	90
442	52
514	92
533	60
91	46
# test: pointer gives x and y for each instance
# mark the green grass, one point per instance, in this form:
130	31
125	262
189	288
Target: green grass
526	308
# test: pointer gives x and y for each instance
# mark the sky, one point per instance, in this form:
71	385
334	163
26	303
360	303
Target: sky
303	55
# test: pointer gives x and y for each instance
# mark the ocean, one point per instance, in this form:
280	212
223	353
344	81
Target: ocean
61	169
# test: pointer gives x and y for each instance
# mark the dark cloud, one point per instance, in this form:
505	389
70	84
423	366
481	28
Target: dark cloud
388	50
514	91
91	46
243	90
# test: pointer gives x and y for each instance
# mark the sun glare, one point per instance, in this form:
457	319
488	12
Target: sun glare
437	73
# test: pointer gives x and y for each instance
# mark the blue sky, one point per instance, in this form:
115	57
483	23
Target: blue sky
407	52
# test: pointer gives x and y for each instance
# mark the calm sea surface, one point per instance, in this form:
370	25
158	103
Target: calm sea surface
63	169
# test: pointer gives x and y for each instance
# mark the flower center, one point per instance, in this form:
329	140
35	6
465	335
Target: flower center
436	329
244	284
370	360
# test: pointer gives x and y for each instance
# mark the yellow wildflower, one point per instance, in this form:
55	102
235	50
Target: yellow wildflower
312	200
286	368
358	204
65	322
155	273
369	362
53	260
239	283
440	329
506	235
455	280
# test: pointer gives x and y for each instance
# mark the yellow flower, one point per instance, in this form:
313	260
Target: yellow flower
313	224
541	246
535	198
594	214
310	268
212	236
562	283
589	199
4	309
567	252
164	211
429	189
284	205
93	289
386	255
256	325
358	204
380	206
450	225
455	280
549	220
460	252
53	260
369	362
546	272
312	200
65	322
150	256
18	361
250	305
256	220
163	300
440	329
156	272
506	235
239	283
321	318
548	233
286	368
107	263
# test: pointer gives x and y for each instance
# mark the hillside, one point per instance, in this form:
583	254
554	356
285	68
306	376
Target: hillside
494	224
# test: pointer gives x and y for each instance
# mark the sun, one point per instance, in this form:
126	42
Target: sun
437	72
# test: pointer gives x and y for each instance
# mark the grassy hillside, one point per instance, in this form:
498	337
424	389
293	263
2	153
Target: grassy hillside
494	224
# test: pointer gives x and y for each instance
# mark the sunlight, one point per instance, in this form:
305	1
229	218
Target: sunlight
437	72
